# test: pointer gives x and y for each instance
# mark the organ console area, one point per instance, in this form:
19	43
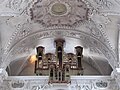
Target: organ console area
59	65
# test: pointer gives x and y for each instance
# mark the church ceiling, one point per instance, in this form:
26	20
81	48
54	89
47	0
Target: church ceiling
91	21
59	13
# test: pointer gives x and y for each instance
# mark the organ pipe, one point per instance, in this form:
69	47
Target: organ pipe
59	65
59	50
38	63
79	51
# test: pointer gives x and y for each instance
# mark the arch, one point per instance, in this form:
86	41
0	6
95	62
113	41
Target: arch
84	37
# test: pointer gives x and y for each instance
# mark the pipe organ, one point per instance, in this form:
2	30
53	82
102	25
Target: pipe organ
59	51
79	51
60	65
39	62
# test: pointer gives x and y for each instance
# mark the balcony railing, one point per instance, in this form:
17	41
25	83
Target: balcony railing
77	83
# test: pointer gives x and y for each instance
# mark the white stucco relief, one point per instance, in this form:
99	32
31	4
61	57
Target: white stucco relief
93	31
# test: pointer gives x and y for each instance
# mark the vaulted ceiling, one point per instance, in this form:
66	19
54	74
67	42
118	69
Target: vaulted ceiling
93	24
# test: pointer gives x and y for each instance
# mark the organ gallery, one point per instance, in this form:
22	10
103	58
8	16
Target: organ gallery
61	65
59	44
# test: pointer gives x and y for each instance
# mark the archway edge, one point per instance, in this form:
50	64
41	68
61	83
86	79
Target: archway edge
85	37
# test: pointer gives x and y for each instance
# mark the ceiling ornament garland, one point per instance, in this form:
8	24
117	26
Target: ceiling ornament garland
62	13
104	4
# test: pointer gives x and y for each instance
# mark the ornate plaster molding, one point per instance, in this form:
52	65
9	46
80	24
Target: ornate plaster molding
3	75
14	7
82	36
18	7
88	26
116	75
104	4
65	13
24	29
40	83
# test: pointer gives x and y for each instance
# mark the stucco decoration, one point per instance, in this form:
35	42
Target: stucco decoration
59	13
116	75
96	84
104	4
3	75
26	28
84	37
77	83
17	84
14	7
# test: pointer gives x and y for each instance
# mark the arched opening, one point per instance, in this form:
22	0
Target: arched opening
92	63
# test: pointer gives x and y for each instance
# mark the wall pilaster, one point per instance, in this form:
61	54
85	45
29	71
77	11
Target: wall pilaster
3	75
116	75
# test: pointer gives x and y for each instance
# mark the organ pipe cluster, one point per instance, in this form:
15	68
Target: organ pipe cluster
59	65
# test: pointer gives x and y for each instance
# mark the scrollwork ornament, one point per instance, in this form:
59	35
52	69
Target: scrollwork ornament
101	84
17	84
38	87
116	75
104	3
3	75
83	83
59	13
14	4
1	1
22	30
